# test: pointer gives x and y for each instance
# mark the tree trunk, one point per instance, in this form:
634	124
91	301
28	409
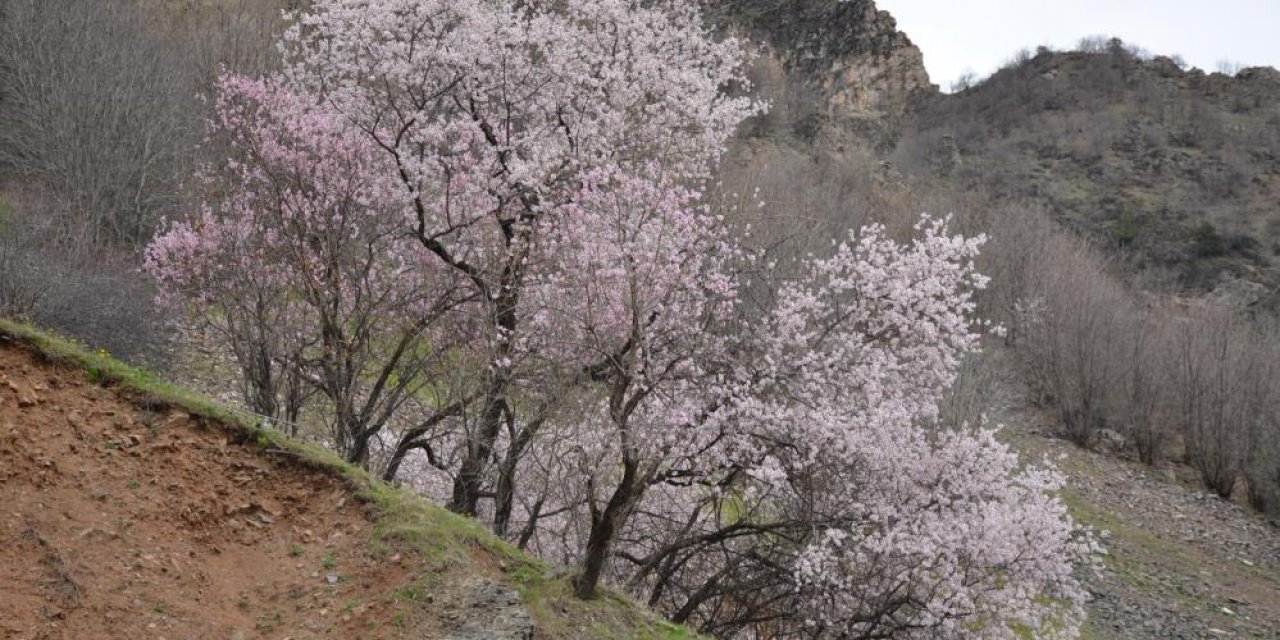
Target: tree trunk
504	495
467	485
604	528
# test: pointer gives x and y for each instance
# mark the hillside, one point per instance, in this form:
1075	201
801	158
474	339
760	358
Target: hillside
1181	563
139	510
1176	170
134	510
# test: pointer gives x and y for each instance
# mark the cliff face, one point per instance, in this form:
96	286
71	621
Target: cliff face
833	70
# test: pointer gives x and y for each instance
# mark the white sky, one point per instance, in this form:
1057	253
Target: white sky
980	35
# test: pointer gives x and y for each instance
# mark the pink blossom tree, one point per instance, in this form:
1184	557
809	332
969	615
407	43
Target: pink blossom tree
639	281
518	186
807	428
492	112
300	258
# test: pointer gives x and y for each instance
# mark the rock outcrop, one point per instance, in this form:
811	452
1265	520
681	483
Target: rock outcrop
833	71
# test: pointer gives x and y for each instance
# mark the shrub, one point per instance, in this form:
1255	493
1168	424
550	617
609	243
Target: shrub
1207	241
94	294
21	288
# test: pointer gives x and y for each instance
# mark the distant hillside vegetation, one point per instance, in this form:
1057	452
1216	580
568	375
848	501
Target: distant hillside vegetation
1179	170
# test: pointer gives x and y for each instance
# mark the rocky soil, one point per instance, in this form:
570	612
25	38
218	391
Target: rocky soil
120	522
1181	562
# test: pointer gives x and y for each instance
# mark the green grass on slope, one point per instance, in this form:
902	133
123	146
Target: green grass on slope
402	521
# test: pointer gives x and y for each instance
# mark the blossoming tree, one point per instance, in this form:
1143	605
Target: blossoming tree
300	260
491	112
513	190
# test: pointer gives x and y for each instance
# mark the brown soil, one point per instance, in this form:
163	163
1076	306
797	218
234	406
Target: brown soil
116	522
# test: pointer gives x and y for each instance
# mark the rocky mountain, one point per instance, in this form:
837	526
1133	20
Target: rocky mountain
835	71
1176	169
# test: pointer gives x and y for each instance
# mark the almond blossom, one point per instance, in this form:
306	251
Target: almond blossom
484	222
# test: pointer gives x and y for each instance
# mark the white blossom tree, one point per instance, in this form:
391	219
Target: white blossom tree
751	470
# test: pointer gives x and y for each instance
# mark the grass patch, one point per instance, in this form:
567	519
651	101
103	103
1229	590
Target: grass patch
560	615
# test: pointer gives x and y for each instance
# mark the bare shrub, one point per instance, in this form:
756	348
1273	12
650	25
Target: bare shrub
973	399
1211	385
96	109
1262	455
99	296
1094	44
1261	459
100	116
965	81
1068	335
796	202
1141	399
92	293
21	287
1229	67
99	101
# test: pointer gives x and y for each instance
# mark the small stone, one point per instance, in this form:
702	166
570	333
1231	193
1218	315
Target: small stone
270	507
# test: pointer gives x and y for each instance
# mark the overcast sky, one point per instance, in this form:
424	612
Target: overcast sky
980	35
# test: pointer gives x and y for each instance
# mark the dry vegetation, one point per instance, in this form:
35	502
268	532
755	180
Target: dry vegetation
1176	169
101	117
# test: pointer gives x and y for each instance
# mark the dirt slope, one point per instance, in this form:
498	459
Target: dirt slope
122	516
121	523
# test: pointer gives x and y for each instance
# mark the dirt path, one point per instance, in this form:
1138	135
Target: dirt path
121	523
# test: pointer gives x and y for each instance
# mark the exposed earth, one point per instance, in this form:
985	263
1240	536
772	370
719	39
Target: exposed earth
122	522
